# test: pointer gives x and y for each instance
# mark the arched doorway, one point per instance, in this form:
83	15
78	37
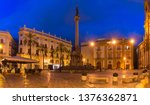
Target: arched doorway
127	66
99	65
109	66
118	65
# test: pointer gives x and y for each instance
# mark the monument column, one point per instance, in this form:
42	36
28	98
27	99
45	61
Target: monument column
76	19
76	56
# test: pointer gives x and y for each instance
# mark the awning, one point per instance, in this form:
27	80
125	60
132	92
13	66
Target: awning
18	59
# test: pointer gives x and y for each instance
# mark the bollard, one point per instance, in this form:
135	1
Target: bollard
115	80
84	78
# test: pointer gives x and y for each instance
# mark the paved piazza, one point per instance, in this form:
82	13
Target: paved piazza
63	80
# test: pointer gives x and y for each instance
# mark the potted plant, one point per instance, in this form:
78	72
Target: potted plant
84	76
144	73
115	78
135	75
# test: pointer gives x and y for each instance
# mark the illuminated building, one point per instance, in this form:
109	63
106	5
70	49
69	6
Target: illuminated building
109	54
49	50
7	45
144	46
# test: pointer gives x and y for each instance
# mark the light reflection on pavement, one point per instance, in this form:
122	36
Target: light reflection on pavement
59	80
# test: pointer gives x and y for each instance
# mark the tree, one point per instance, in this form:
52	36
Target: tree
61	49
29	39
52	53
43	49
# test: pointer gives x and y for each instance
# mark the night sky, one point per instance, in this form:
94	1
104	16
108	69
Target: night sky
99	18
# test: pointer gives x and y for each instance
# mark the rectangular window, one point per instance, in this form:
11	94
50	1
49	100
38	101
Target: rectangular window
37	45
20	42
52	47
21	50
118	55
118	47
2	41
37	52
110	56
1	51
45	45
29	51
57	55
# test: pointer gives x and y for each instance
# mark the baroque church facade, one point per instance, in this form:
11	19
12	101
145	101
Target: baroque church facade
144	47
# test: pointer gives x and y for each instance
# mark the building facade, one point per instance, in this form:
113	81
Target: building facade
49	50
109	54
7	45
144	47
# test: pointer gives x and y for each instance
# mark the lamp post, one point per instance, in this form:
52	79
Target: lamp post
114	43
92	44
132	41
83	60
124	63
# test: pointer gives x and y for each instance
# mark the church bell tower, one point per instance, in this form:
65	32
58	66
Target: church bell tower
147	19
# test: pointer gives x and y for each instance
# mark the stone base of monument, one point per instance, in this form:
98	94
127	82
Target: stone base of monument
76	58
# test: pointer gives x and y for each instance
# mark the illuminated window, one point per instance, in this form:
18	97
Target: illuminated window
52	47
109	48
37	52
57	55
2	41
20	42
29	51
127	48
20	50
118	47
1	51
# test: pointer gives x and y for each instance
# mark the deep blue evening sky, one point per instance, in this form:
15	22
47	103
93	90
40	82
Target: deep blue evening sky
99	18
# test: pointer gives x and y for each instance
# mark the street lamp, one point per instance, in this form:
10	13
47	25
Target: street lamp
132	41
113	41
83	60
92	44
124	62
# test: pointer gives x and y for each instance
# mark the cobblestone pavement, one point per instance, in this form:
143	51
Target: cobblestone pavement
60	80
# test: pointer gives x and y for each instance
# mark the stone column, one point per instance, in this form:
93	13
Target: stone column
76	31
